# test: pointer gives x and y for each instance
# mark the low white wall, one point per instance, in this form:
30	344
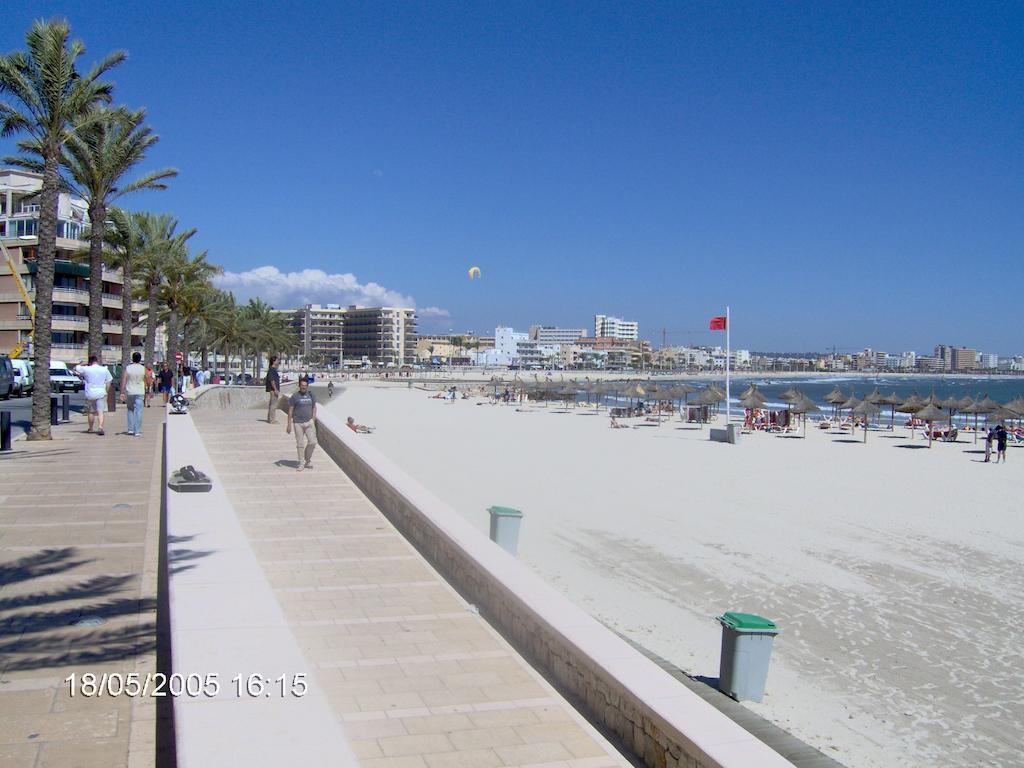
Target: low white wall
661	721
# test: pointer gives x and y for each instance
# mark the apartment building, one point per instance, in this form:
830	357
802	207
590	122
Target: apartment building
547	334
383	336
19	226
965	359
319	328
609	327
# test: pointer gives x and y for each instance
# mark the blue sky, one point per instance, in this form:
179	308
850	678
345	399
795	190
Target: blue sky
842	176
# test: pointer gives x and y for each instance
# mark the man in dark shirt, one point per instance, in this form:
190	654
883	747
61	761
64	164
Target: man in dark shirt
273	382
1001	438
166	379
302	413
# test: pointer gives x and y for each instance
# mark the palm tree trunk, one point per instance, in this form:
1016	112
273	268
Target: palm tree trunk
172	342
186	342
126	314
97	222
151	324
46	252
206	356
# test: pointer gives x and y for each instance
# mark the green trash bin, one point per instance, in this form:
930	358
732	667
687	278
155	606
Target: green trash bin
746	653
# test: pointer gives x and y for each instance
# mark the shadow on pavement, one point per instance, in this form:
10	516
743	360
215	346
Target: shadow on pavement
68	636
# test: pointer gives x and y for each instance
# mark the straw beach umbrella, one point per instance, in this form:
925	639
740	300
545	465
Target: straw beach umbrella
747	392
803	405
753	401
951	404
708	397
679	393
835	397
849	405
875	397
911	405
985	406
867	409
791	395
930	413
892	400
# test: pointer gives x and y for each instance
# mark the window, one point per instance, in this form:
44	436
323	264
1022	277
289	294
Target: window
25	227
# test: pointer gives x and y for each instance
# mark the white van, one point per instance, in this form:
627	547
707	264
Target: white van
24	380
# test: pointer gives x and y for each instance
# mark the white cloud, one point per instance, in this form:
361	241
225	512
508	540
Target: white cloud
378	173
284	290
433	312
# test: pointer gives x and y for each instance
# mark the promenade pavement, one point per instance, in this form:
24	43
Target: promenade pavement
79	548
415	676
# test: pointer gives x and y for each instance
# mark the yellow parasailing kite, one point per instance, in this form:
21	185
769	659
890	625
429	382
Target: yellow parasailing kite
474	272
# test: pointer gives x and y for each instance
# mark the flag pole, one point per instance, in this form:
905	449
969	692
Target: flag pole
728	354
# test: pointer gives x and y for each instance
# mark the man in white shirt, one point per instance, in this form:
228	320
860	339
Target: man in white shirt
133	390
97	381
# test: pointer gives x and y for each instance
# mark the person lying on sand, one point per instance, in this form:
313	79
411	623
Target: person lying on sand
615	424
351	424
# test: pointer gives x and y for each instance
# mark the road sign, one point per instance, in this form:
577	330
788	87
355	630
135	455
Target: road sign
178	356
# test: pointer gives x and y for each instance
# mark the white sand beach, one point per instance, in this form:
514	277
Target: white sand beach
894	571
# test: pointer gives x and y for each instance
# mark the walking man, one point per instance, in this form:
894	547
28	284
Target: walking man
97	381
273	383
166	379
133	392
302	414
1001	438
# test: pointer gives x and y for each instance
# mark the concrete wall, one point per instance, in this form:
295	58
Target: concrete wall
661	721
242	398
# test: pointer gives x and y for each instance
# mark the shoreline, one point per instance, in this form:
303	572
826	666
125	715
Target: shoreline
486	375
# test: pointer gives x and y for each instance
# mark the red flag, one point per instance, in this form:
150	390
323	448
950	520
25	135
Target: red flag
717	323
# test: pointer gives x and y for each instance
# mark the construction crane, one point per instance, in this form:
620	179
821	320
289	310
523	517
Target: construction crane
16	350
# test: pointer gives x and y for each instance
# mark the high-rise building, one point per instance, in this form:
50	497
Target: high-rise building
379	335
609	327
546	334
19	226
988	361
944	356
965	359
318	328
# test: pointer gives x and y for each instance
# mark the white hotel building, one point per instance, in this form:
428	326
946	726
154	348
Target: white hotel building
608	327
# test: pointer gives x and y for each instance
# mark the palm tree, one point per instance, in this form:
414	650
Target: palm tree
227	328
209	319
181	276
97	159
268	332
51	101
126	245
158	234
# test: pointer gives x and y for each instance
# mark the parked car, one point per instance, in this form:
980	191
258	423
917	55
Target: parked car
24	378
63	380
6	377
